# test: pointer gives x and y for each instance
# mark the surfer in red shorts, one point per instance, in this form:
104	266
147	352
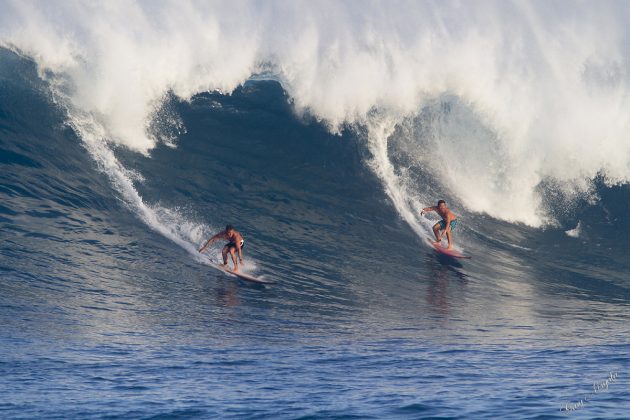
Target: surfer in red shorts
447	224
234	246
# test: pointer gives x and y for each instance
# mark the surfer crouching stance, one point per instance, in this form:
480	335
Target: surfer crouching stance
447	224
235	245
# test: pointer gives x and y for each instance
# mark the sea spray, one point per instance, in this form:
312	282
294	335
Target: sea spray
544	81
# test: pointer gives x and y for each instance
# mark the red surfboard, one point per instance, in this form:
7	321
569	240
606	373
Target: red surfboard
449	252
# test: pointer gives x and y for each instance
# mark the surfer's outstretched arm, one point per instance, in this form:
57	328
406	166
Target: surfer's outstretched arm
427	210
210	241
207	244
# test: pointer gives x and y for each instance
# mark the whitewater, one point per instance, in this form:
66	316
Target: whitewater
130	132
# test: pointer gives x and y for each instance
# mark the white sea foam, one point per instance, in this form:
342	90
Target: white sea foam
167	222
541	89
575	232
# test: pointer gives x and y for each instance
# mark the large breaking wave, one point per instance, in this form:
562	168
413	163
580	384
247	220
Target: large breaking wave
499	102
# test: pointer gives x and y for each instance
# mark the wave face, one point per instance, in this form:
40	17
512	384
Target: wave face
130	132
540	91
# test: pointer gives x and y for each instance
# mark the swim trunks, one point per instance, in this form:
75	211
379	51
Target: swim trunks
232	244
443	224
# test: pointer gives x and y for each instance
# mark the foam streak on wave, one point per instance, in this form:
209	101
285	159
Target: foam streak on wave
407	205
164	221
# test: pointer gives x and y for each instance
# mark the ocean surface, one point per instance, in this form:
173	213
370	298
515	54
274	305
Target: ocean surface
108	311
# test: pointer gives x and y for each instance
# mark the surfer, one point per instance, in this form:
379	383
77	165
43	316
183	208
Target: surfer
234	246
447	224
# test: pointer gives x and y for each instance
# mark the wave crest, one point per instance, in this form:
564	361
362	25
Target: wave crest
543	90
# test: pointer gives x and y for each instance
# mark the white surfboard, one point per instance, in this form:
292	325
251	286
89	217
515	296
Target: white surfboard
241	275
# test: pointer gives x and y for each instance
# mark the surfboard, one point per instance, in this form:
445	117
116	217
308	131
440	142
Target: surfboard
240	275
448	252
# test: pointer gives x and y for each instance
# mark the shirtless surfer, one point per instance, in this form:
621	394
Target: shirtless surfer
235	245
447	224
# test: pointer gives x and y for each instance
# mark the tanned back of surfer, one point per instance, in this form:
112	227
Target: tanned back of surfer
447	224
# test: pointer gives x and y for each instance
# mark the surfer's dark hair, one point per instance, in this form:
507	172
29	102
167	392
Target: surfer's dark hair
229	228
441	201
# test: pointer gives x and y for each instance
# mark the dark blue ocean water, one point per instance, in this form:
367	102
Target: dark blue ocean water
103	316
